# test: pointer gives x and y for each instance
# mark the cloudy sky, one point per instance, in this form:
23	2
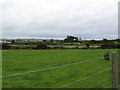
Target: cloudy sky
90	19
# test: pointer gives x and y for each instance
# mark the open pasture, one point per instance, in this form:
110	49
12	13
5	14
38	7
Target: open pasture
74	68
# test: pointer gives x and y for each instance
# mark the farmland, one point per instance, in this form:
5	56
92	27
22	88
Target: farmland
20	61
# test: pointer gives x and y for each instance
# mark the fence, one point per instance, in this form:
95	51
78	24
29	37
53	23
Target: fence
114	72
50	68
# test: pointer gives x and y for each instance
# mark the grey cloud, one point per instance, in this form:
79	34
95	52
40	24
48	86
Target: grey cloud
75	18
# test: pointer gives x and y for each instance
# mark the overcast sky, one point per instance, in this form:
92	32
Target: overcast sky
90	19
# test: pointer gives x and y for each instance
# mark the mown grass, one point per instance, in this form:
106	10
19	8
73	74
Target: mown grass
18	61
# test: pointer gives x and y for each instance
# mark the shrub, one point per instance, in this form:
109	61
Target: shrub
107	56
41	46
110	45
87	45
5	46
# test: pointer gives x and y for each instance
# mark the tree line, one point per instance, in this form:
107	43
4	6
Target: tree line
104	44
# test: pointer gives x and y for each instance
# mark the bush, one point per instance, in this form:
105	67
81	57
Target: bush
107	56
110	45
5	46
87	45
41	46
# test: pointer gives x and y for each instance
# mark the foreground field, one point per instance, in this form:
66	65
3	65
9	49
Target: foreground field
19	61
0	69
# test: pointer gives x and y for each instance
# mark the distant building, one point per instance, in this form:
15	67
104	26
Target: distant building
5	41
71	39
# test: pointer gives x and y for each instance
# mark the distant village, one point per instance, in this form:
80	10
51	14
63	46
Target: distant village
68	42
67	39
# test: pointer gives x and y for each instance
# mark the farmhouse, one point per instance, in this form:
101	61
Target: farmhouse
5	41
71	39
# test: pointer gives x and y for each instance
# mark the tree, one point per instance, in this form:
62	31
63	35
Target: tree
41	46
13	41
87	45
110	45
61	42
92	41
105	41
5	46
51	41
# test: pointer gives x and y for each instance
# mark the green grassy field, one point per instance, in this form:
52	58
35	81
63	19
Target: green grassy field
18	61
0	69
119	68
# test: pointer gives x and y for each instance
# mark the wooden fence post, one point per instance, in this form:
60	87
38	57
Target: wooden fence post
114	70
